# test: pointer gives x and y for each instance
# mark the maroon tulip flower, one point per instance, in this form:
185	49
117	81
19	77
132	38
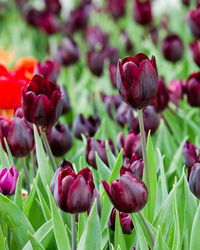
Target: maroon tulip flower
49	70
137	80
53	6
150	119
127	41
66	103
72	192
172	48
131	144
113	75
122	114
195	48
112	54
87	126
125	221
42	102
95	61
175	91
154	35
142	12
116	8
67	53
98	146
128	194
134	166
161	99
8	181
60	139
186	2
19	136
190	156
194	180
111	103
95	38
193	21
193	89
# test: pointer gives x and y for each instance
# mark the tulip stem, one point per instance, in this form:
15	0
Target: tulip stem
147	227
26	175
73	230
144	149
48	149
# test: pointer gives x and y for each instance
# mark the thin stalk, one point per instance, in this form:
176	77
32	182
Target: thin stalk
48	149
144	148
26	175
147	227
73	229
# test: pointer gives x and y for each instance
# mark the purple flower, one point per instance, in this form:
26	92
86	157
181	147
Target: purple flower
193	21
8	181
116	8
53	6
66	103
95	38
111	103
190	156
142	12
194	180
95	61
193	89
127	41
122	114
113	75
195	48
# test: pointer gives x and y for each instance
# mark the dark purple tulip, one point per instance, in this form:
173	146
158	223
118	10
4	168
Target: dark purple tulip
154	35
60	139
134	166
190	156
142	12
122	114
195	48
95	61
95	196
193	21
42	103
193	89
112	54
87	126
95	38
111	103
19	136
67	53
53	6
72	192
78	19
161	99
194	180
131	144
116	8
175	91
98	146
127	41
8	181
172	48
137	80
128	194
49	69
125	221
113	75
150	119
186	2
66	103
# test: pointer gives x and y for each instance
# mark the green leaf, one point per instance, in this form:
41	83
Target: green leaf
91	237
103	170
159	243
36	245
18	223
194	240
10	158
2	241
177	240
4	159
82	219
119	238
58	226
18	193
110	155
45	169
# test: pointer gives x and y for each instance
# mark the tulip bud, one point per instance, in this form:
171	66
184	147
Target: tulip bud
113	75
137	80
49	70
86	126
134	166
72	192
66	103
190	156
95	38
172	48
42	103
175	91
19	136
142	12
127	42
128	194
131	144
125	221
111	103
161	99
194	180
60	139
98	146
53	6
116	8
95	61
8	181
193	89
67	53
195	48
193	21
154	35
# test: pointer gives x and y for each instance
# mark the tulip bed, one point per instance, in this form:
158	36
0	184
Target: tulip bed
99	124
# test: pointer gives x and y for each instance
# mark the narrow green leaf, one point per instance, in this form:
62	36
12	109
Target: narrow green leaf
82	219
18	193
110	155
194	239
119	238
159	243
4	159
58	226
36	245
103	170
176	242
10	158
2	241
93	228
